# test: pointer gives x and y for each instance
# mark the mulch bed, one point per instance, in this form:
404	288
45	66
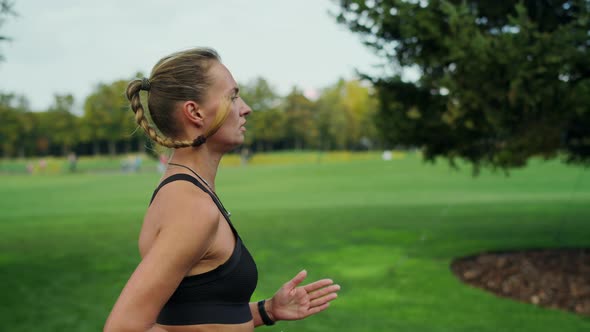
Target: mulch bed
553	278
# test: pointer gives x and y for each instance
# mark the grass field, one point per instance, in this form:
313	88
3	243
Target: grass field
385	231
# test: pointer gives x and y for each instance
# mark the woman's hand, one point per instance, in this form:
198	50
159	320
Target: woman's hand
292	302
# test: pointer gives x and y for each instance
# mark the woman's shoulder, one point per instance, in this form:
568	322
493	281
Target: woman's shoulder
179	207
183	201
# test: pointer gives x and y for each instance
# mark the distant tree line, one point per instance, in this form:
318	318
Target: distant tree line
341	117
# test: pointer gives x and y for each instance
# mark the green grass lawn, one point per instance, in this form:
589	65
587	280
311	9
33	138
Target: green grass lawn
385	231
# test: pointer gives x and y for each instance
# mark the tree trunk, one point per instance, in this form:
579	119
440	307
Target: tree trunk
95	148
112	148
141	145
298	144
5	152
65	150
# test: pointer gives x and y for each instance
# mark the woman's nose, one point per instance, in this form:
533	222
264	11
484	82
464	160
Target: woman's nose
245	109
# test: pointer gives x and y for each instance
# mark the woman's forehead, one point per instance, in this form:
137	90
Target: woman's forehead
223	79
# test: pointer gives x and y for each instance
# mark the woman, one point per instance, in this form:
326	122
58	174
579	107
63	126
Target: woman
195	273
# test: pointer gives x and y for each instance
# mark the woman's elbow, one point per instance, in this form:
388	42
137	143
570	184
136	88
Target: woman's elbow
111	325
124	325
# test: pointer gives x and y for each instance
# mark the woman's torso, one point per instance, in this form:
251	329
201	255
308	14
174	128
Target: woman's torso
245	327
220	251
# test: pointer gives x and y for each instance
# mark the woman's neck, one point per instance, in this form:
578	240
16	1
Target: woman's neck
201	160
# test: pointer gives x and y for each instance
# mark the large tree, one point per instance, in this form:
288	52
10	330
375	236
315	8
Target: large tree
63	123
346	116
300	127
107	117
500	81
12	125
266	124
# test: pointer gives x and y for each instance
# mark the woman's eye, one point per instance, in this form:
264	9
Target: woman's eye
233	98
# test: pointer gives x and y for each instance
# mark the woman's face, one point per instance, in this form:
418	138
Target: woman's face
224	92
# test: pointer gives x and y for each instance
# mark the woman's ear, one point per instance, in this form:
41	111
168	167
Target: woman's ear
193	113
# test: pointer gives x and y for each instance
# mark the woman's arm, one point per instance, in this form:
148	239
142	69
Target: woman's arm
185	236
293	302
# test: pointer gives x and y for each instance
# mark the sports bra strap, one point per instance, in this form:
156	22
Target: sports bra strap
193	180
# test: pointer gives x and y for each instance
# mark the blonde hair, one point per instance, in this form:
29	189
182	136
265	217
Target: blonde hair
180	76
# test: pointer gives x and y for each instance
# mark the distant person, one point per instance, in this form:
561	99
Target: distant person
196	273
127	164
42	165
162	163
137	163
245	156
72	161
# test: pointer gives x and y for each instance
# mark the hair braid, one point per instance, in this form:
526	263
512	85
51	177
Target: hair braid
132	93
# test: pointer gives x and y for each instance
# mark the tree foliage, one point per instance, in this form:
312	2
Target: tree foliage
341	118
6	9
107	116
266	126
63	122
13	127
346	116
500	81
300	129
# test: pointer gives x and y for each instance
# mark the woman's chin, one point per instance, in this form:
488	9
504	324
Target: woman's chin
239	141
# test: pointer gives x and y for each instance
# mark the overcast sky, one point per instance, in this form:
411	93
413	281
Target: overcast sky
69	46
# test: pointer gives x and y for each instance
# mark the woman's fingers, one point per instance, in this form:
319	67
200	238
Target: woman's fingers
322	300
323	291
317	309
291	284
317	285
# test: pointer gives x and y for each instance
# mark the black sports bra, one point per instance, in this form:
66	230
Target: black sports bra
219	296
